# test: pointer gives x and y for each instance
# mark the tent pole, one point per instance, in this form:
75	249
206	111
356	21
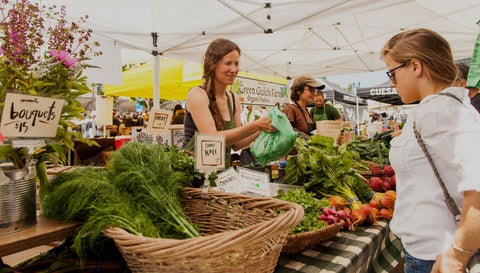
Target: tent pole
156	81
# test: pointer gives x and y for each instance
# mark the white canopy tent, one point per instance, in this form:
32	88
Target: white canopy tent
279	38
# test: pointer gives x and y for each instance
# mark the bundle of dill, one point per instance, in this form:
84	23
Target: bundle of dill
138	191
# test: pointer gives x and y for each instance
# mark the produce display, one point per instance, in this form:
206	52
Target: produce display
338	173
139	191
312	208
375	149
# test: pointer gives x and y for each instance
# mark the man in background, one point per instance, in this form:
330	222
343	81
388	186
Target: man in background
473	92
322	110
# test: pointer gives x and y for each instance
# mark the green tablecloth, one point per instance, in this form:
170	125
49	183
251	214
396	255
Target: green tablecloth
371	249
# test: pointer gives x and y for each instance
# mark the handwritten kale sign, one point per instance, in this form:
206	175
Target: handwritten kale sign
30	116
209	152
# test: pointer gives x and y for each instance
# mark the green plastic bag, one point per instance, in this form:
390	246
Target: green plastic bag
270	147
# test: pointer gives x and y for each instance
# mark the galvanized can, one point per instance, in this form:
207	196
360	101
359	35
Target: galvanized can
17	202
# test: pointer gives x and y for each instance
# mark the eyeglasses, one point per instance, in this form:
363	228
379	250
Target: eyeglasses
390	73
308	88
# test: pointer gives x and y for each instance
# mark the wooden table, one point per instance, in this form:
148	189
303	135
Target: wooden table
44	232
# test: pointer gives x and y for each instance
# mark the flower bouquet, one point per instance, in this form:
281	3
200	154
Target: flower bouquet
41	54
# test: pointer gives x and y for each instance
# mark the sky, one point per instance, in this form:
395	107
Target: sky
367	79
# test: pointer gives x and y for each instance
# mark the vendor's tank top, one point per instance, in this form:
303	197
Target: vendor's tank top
190	128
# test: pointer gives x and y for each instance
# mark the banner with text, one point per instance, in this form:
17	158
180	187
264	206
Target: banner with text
259	92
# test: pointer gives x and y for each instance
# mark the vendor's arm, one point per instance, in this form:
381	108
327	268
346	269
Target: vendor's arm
466	238
197	104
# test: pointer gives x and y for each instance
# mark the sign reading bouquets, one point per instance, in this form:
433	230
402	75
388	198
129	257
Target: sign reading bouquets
30	116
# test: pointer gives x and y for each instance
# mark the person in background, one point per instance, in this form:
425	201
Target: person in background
210	109
178	114
322	111
114	128
421	67
473	92
252	114
375	125
303	88
384	120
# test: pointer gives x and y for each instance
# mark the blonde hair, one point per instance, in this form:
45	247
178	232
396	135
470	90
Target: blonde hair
214	54
427	46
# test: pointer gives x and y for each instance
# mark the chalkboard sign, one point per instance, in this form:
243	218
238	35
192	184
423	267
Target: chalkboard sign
30	116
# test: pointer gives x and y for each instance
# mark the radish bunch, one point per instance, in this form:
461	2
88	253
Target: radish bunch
382	180
332	216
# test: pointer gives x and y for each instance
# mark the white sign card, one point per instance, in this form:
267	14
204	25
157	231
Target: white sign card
104	110
30	116
178	137
158	121
228	181
257	182
209	152
140	134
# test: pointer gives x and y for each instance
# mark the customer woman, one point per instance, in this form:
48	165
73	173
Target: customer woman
210	109
303	88
421	68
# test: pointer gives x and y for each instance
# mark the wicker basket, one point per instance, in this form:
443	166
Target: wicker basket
239	234
299	242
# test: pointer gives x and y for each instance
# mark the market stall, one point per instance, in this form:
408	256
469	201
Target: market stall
381	93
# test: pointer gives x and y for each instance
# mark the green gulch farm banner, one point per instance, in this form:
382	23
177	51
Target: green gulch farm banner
259	92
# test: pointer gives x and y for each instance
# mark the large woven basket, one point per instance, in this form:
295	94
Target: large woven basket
299	242
240	233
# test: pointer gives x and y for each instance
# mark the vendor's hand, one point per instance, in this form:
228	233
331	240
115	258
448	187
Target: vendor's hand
264	124
450	261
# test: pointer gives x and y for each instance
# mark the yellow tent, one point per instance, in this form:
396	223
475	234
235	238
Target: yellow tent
176	78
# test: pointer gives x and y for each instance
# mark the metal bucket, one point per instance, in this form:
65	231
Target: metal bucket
17	202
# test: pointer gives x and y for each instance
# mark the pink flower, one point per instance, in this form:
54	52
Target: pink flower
70	61
53	52
1	51
62	55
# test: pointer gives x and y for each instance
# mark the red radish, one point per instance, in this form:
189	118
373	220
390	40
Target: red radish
376	170
342	215
389	170
376	184
328	211
387	202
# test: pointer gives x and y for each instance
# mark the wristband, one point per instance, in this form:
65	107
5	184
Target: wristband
454	246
